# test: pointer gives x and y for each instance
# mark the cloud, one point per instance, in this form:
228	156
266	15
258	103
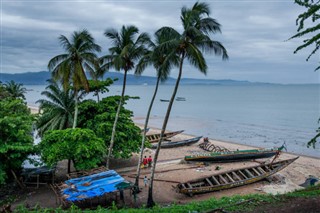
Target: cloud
253	32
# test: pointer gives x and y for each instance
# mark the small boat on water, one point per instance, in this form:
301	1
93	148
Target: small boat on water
180	99
164	100
154	138
172	144
232	178
238	155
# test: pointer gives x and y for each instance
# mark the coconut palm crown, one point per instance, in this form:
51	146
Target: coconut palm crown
71	67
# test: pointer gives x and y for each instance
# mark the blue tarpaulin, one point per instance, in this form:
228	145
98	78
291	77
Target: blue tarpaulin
93	186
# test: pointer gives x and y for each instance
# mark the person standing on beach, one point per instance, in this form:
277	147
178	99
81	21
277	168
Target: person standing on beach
145	180
145	161
149	161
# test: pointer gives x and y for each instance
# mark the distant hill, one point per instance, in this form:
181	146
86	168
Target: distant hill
39	78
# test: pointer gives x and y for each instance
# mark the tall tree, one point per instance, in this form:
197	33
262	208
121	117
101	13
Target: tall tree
162	60
195	39
312	33
15	90
312	15
71	67
57	108
128	47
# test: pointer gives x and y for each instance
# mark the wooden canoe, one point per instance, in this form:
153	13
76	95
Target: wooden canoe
172	144
238	155
232	178
155	137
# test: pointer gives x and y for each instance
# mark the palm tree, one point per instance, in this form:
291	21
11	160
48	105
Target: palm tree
71	66
15	90
128	47
57	108
197	27
162	62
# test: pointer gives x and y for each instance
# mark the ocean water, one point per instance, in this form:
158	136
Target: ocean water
257	115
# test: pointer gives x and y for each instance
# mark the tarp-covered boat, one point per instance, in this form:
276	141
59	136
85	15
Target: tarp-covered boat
172	144
232	178
156	137
238	155
95	185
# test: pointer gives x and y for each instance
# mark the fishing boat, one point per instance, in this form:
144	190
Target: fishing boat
154	138
238	155
232	178
172	144
164	100
180	99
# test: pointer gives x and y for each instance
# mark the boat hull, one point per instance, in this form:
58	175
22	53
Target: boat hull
178	143
232	178
232	157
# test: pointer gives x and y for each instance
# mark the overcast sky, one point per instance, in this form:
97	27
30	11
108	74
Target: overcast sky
253	32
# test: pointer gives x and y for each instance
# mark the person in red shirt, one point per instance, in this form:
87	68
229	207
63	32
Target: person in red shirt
145	161
149	161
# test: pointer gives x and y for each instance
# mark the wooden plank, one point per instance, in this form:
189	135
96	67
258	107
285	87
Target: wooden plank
245	177
224	180
266	167
235	175
258	173
209	182
215	180
261	170
189	185
230	178
249	173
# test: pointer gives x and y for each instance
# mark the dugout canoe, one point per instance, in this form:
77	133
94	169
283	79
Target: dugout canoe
239	155
232	178
172	144
154	138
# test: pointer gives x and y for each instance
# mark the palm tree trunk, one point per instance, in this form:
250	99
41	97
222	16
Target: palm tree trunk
144	134
150	202
116	119
75	118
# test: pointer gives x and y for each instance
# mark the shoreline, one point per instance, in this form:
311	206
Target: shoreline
224	141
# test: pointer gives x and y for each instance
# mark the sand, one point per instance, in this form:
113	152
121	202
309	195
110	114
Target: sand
171	169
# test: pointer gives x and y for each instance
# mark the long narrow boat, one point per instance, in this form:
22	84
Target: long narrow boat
232	178
172	144
238	155
154	138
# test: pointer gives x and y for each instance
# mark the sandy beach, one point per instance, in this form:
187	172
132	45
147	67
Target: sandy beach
172	169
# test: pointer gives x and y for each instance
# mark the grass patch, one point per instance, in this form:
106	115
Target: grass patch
234	203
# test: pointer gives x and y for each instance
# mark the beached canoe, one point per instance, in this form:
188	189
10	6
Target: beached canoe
155	137
238	155
172	144
232	178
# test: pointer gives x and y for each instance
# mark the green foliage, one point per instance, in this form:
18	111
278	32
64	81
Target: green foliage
57	109
99	117
3	92
15	90
16	141
81	146
311	15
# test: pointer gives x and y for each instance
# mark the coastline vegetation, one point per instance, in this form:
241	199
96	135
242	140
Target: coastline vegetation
235	203
88	132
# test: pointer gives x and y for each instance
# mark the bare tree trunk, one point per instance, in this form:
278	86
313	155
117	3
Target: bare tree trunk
150	202
75	118
116	120
144	134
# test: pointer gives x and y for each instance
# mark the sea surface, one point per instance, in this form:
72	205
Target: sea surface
256	115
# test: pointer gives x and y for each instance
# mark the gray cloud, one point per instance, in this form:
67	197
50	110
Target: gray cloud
253	32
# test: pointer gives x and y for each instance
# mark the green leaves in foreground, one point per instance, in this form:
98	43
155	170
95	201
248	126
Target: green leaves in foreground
16	141
81	146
